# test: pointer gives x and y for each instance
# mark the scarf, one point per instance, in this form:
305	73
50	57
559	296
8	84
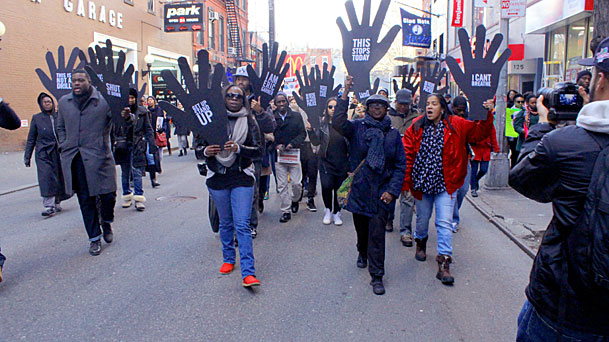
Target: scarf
237	132
375	137
428	171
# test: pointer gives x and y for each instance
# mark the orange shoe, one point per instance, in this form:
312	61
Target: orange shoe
250	281
227	268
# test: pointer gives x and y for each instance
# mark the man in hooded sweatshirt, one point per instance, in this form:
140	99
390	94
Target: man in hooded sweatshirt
556	165
42	136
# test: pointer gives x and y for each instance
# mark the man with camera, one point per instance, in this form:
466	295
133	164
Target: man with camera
567	297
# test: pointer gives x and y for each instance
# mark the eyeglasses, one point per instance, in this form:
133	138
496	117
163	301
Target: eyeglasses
330	107
521	102
234	96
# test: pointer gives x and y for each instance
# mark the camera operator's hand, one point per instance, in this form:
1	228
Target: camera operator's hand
542	111
584	94
212	150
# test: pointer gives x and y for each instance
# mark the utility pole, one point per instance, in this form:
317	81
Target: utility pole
271	23
500	164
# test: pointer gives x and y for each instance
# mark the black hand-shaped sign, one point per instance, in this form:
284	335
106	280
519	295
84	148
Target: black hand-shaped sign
480	77
326	84
204	106
361	49
95	60
115	85
60	81
430	81
309	90
408	82
266	86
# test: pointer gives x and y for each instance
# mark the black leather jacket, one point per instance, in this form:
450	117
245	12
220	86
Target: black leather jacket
556	166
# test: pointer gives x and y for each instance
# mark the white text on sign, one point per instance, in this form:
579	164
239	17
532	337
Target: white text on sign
361	49
203	112
269	83
481	80
113	89
64	80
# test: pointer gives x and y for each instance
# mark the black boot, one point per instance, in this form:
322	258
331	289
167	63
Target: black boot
362	261
377	285
443	274
181	153
95	248
107	232
421	252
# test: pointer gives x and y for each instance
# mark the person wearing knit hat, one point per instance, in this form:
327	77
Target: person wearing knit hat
583	79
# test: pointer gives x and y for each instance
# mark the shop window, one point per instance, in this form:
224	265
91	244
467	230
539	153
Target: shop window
558	45
576	44
221	34
151	7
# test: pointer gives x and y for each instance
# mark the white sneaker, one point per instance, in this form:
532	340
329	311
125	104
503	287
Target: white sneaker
337	220
327	216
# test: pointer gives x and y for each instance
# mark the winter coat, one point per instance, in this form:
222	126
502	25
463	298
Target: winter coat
556	166
368	186
143	137
48	165
87	132
8	118
401	122
519	123
121	139
321	137
266	124
454	154
157	112
289	131
154	151
482	150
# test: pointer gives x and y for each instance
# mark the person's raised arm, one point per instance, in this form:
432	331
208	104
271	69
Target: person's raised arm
8	117
340	120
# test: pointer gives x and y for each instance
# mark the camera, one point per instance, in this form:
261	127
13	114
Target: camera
202	169
563	102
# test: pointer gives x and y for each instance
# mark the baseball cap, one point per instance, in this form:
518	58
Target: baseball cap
241	71
601	57
403	96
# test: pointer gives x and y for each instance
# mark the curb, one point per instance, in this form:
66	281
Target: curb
25	187
502	228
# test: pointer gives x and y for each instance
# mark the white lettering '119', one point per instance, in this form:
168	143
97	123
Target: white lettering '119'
203	112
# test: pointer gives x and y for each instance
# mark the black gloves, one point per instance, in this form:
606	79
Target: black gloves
204	106
480	77
266	86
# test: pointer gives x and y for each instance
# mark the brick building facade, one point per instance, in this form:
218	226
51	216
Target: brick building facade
34	27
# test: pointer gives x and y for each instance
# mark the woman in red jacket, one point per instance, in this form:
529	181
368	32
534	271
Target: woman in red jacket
436	157
481	159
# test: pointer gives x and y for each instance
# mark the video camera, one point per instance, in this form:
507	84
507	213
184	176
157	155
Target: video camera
563	102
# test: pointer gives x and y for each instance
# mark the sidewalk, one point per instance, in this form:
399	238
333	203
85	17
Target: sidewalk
15	176
525	219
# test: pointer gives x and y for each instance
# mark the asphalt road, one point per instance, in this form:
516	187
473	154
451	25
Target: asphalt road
159	281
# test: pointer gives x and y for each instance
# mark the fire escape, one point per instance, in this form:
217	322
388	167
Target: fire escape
233	29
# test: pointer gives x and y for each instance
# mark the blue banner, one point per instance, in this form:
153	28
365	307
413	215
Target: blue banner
416	30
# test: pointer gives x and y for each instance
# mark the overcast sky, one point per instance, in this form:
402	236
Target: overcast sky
299	23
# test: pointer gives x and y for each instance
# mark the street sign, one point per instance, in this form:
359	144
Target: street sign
513	8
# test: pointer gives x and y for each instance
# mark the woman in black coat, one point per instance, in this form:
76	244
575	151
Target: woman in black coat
42	137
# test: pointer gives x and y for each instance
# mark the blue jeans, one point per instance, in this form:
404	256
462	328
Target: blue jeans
234	208
126	171
460	196
479	169
533	328
445	205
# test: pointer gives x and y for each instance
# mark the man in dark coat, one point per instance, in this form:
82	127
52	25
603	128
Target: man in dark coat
377	147
83	132
556	165
289	135
42	136
8	120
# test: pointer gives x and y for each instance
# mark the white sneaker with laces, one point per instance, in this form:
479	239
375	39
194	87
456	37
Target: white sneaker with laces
327	216
337	219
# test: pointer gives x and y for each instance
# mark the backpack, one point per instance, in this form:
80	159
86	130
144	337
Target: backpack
588	249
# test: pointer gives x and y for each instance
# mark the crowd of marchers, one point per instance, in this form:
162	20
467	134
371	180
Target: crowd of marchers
417	155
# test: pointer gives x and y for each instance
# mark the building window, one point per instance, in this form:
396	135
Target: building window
151	7
441	44
221	34
324	59
201	38
129	2
211	29
244	43
313	60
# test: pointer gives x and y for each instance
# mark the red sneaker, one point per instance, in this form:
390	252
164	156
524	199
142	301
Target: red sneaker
250	281
227	268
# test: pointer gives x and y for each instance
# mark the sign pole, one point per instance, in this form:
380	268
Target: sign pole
271	22
500	164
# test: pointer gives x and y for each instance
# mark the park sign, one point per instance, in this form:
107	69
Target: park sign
183	17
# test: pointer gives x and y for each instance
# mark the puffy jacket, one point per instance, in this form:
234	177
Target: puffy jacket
482	150
556	166
368	186
454	154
